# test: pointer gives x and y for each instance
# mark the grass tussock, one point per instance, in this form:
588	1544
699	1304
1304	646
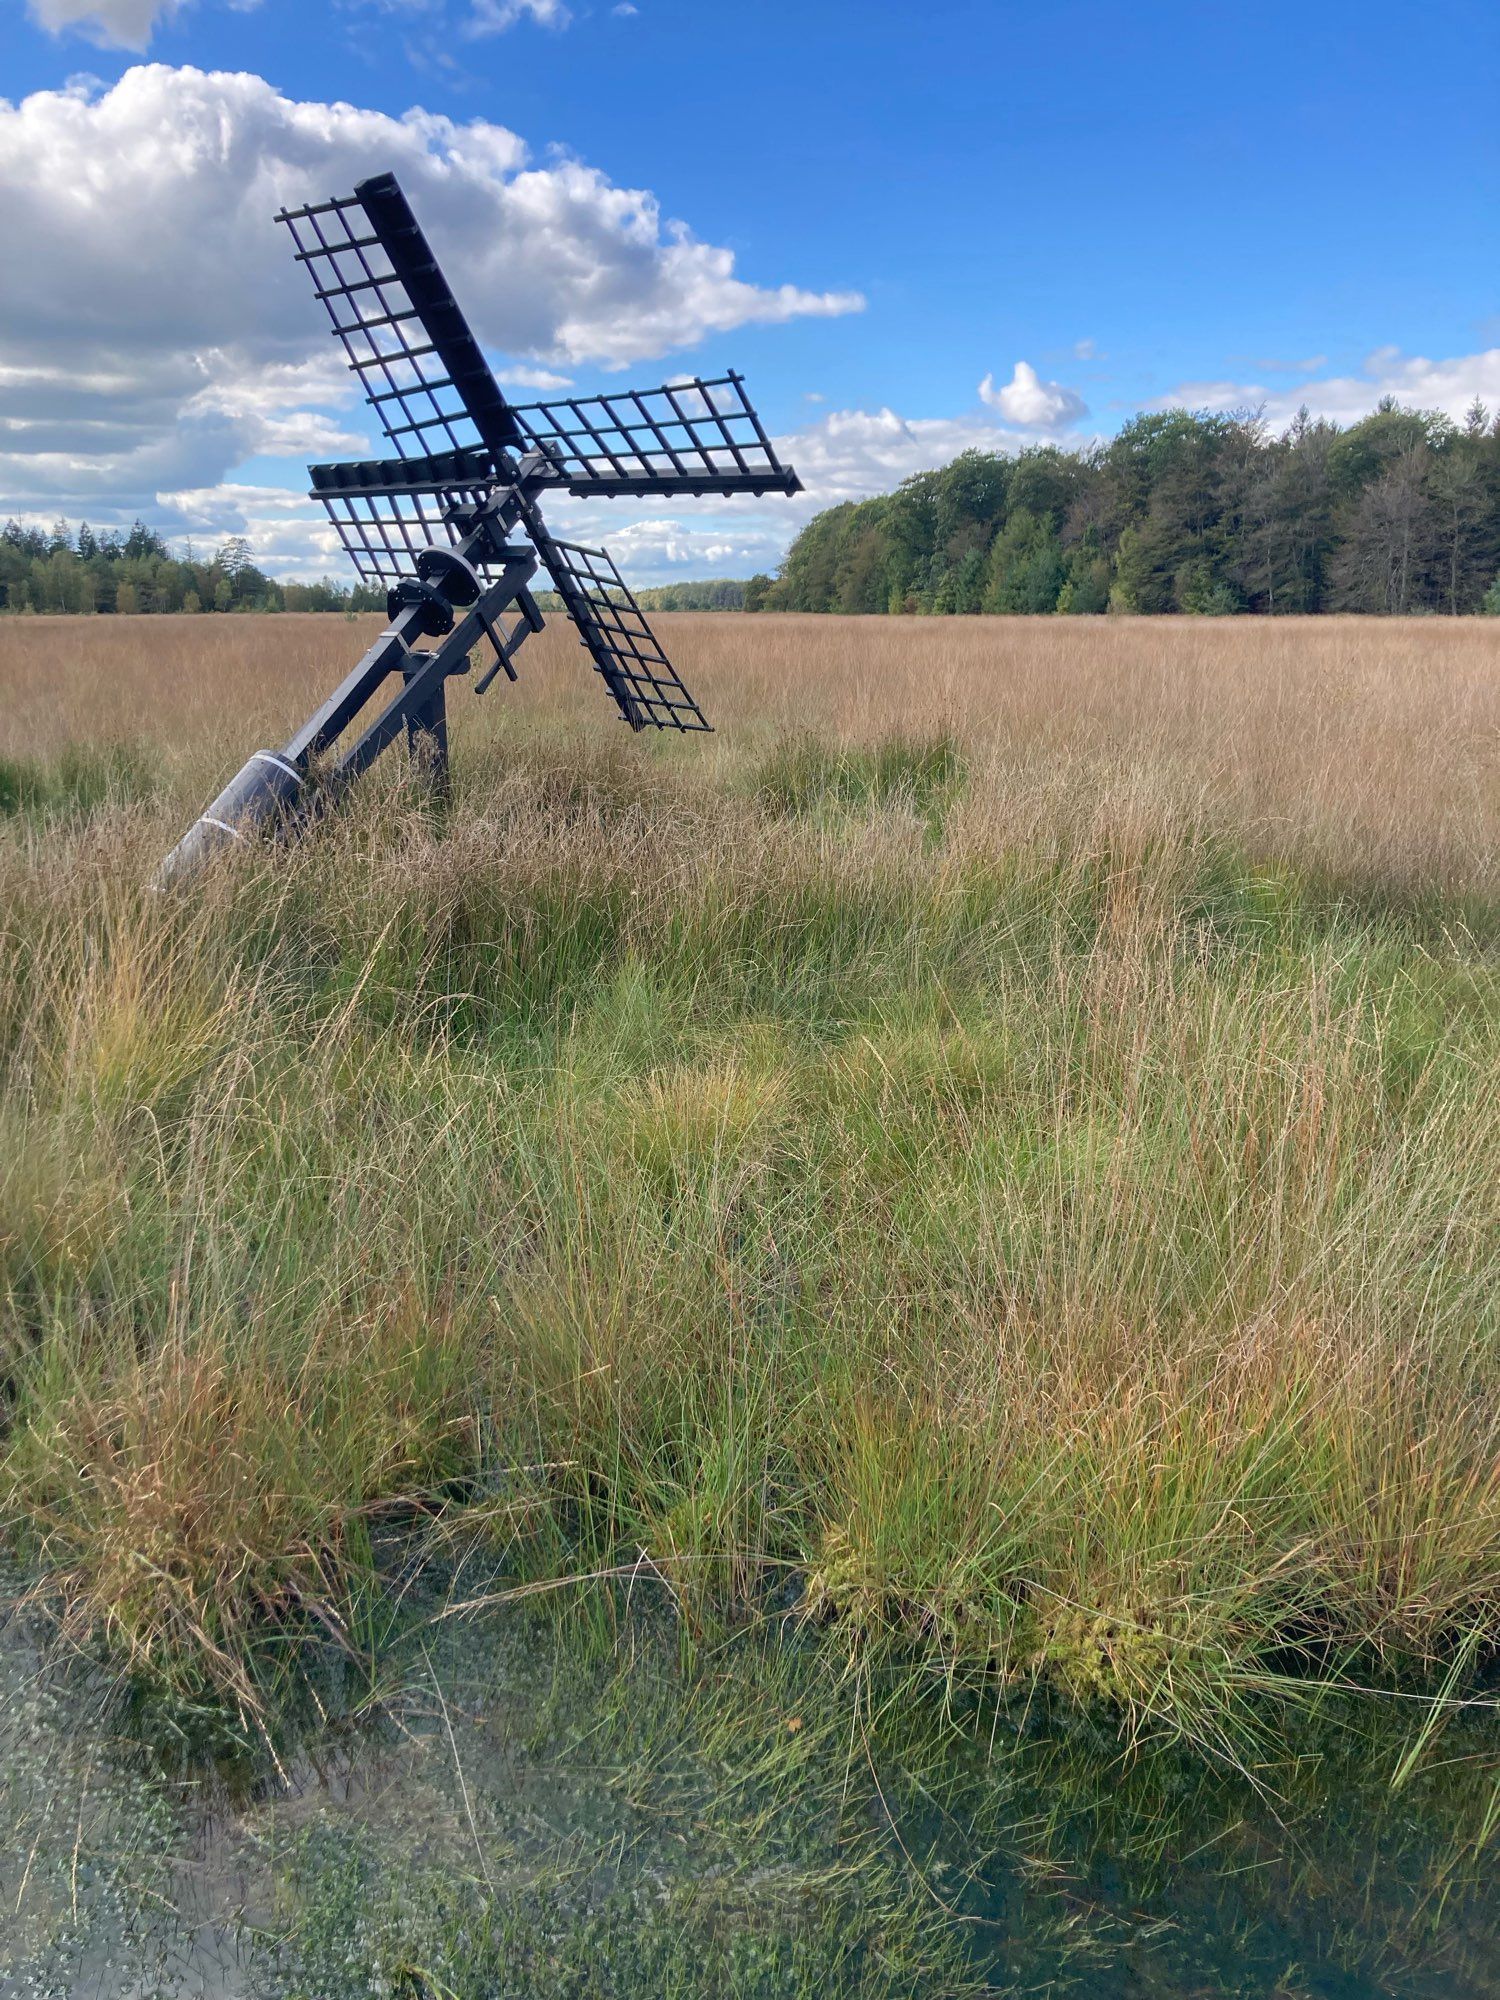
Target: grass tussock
1010	1179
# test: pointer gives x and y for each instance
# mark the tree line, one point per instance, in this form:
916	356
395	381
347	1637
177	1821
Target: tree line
54	570
57	571
715	593
1182	511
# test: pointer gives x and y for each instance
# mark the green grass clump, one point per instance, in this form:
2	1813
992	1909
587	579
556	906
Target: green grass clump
79	780
809	777
1070	1261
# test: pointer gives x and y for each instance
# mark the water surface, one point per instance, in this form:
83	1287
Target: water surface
544	1806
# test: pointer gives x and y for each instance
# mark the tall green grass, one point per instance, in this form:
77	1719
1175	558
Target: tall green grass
1064	1259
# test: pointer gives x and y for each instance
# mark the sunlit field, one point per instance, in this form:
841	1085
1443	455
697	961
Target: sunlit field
989	1160
1364	745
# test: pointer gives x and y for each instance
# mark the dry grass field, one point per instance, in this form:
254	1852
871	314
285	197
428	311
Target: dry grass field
1370	746
1363	745
994	1149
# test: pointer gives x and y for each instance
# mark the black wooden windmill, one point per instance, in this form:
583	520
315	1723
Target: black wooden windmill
435	524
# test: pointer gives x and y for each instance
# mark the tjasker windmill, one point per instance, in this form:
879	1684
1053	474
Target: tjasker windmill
438	524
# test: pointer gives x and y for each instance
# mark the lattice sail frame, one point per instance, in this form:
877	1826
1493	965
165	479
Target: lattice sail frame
383	331
460	443
626	652
383	534
690	436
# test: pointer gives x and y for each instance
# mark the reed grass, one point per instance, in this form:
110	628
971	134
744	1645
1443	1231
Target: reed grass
994	1155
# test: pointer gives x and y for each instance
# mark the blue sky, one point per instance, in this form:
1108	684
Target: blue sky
914	228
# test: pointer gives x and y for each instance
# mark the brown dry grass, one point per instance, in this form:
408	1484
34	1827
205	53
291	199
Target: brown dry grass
1367	746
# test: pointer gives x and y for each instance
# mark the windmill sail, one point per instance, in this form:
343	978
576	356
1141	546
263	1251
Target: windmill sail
398	322
686	437
612	627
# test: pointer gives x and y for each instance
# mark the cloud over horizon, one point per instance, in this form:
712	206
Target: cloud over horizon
842	455
168	336
1449	385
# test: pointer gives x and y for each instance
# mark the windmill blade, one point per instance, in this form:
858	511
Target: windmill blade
393	312
612	626
434	472
686	437
385	511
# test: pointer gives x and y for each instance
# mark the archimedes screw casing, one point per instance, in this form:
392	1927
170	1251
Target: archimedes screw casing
267	789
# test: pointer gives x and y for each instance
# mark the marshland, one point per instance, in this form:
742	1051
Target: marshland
898	1304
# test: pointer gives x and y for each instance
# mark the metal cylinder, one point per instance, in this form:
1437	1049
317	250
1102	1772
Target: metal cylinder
265	790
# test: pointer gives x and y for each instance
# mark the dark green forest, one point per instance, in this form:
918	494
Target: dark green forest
1180	512
55	570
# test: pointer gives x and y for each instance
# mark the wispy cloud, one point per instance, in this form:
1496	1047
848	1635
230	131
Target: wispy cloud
493	17
114	24
540	379
1449	385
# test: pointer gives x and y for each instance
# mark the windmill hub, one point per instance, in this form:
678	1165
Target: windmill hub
433	524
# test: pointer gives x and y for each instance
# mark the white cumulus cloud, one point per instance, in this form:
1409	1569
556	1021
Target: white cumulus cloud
540	380
850	454
657	551
290	534
167	334
1032	404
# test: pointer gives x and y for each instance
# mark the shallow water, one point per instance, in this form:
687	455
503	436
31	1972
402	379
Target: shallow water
542	1806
